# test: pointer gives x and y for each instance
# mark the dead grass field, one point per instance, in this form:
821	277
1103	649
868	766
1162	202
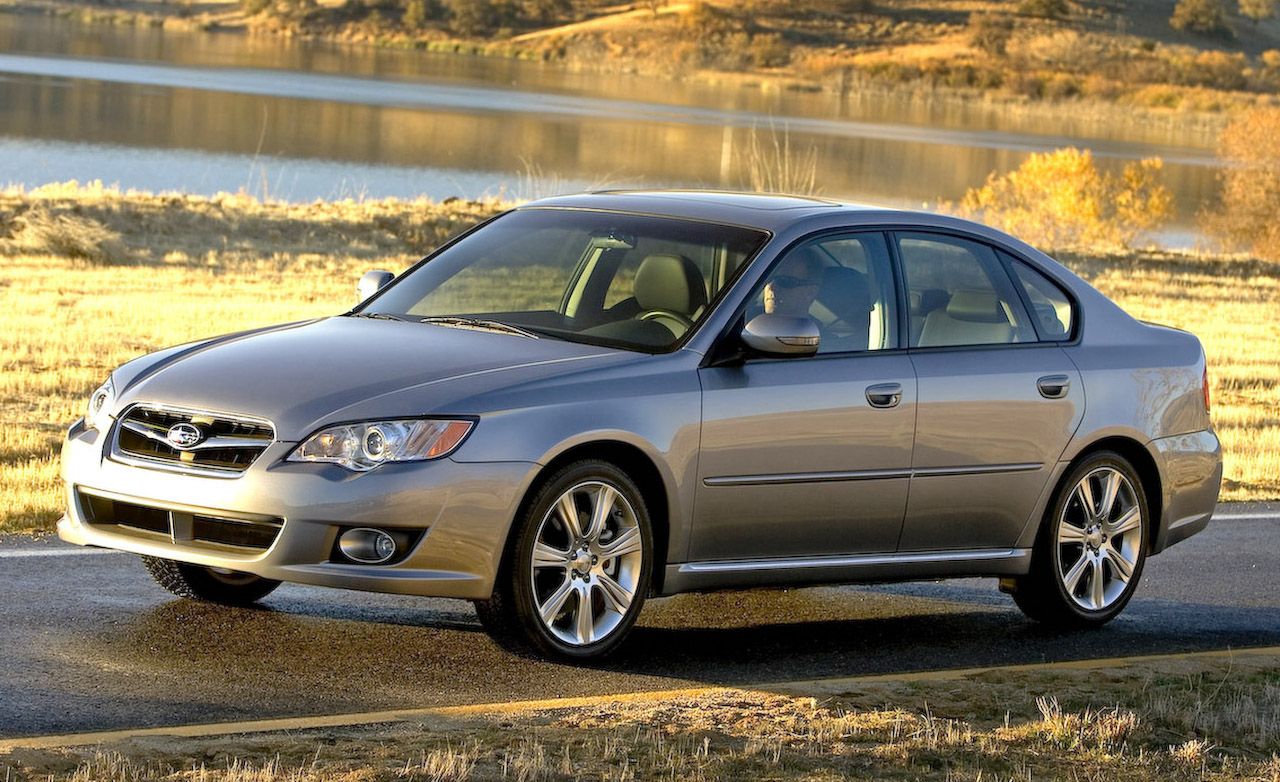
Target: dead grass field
90	278
1168	720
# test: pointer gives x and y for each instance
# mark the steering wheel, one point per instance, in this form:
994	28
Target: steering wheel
684	321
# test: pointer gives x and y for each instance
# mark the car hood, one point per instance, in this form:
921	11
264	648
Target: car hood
302	376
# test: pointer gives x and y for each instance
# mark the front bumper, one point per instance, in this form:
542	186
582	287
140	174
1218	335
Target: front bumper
465	508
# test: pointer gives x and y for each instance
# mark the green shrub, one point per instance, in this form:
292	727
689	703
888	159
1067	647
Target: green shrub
1200	16
990	33
415	14
1049	9
769	50
471	17
546	11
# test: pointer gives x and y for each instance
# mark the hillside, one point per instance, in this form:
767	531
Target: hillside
1118	51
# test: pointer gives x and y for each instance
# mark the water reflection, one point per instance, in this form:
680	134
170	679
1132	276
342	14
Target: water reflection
466	126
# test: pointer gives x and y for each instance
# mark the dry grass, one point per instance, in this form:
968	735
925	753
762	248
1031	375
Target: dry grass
179	268
176	269
1232	306
1171	720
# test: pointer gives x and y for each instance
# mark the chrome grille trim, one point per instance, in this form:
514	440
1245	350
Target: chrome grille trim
236	442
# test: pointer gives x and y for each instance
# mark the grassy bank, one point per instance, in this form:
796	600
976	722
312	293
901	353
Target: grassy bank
90	278
1163	721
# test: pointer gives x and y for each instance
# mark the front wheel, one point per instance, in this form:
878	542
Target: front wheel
1092	546
580	566
214	585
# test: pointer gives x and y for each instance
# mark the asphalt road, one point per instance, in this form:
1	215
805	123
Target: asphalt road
90	643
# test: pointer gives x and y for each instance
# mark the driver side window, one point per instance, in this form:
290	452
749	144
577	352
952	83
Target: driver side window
844	283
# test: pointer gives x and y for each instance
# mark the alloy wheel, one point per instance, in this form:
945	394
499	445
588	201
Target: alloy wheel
586	563
1099	539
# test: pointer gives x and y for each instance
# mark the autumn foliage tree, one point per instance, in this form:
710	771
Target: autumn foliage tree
1249	216
1061	200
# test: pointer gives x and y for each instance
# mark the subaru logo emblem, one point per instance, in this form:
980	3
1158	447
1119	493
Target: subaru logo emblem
184	435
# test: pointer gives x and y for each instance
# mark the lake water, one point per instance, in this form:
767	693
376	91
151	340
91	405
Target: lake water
209	112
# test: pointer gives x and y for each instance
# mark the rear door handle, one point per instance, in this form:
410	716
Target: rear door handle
884	394
1054	386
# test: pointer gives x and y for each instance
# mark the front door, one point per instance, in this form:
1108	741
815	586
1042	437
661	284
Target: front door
811	456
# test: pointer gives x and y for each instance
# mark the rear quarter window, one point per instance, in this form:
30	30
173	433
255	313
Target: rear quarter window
1051	308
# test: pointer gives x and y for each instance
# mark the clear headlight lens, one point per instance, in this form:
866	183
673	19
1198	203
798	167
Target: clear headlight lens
363	446
97	413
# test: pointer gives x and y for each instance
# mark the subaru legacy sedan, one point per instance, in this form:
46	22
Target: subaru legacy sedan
594	399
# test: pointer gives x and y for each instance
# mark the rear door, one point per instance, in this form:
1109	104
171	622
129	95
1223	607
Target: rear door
997	402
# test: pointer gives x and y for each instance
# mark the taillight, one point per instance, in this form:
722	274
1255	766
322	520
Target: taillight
1206	388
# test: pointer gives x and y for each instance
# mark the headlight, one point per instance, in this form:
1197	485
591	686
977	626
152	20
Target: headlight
363	446
97	413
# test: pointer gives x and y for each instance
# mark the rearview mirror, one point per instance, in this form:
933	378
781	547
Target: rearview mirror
372	282
782	335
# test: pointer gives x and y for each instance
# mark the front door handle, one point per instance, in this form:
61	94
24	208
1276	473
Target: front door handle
1054	386
884	394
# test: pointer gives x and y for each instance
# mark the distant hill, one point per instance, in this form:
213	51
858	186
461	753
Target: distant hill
1119	51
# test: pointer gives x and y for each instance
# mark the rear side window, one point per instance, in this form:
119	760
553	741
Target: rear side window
959	294
1050	306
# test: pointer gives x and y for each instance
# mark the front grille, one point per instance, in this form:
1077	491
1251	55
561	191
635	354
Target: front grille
143	520
226	444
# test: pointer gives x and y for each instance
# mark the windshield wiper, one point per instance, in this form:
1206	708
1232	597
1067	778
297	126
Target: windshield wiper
478	323
377	316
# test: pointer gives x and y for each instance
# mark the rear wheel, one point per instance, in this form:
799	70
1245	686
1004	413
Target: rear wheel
214	585
580	567
1092	546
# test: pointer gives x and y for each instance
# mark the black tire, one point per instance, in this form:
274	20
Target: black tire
1043	594
511	616
196	582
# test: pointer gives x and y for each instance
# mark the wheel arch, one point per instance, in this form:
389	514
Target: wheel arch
639	466
1144	463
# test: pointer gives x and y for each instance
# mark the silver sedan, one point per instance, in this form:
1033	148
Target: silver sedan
596	398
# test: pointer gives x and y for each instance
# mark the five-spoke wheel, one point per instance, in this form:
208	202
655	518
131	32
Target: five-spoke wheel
1092	547
580	567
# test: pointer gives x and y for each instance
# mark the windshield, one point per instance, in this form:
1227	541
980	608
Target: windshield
625	280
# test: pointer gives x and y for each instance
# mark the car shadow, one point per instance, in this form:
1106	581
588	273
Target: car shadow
312	651
761	636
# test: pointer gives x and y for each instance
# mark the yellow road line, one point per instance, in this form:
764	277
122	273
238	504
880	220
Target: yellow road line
340	720
801	687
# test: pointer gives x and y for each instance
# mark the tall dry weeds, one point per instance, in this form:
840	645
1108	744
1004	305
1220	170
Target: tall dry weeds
771	163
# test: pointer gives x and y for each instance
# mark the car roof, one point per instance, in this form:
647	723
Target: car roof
758	210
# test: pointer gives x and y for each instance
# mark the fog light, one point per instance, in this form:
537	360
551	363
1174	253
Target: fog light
367	546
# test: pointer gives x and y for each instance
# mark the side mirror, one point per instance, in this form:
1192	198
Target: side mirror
372	282
782	335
